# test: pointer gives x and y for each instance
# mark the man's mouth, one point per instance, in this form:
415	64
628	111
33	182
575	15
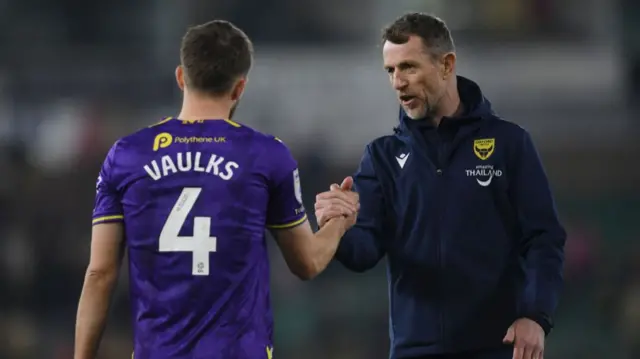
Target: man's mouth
406	100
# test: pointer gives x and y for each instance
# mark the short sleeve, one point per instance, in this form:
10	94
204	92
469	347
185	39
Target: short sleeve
108	206
286	209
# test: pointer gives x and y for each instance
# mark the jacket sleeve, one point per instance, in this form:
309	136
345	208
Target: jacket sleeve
542	235
362	246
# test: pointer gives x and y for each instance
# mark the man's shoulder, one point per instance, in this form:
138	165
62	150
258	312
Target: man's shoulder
394	147
503	127
387	143
384	150
494	125
510	134
162	134
153	136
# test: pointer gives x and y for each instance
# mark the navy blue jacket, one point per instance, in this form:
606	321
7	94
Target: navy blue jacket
468	226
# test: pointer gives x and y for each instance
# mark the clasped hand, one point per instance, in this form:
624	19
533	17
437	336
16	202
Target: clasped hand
339	201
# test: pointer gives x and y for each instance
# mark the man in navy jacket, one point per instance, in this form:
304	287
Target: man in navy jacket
459	203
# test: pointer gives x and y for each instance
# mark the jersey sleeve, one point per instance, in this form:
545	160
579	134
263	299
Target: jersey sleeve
285	209
108	206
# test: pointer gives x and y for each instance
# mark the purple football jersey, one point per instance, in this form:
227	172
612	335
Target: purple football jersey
195	198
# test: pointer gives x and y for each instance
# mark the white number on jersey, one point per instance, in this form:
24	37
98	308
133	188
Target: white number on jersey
297	188
201	244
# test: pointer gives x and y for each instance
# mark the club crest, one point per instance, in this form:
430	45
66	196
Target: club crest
483	148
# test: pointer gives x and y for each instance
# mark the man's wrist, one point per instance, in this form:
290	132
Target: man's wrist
341	222
543	320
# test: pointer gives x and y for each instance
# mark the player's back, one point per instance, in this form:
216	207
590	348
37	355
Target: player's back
196	197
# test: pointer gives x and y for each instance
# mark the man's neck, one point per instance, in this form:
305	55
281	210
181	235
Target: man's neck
204	109
193	116
450	105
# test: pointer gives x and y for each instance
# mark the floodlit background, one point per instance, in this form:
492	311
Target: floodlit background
75	75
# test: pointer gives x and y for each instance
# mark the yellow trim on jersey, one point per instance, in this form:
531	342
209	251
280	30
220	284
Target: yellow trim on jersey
232	123
269	352
167	119
107	218
288	225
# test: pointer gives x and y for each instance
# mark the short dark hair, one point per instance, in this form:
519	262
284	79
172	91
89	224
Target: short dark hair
214	55
432	30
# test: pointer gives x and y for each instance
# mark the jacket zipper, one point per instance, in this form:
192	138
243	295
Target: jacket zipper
438	164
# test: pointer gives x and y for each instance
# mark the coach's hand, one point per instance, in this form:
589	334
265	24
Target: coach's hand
527	338
340	200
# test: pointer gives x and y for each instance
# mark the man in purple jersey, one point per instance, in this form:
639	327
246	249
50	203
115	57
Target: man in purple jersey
190	198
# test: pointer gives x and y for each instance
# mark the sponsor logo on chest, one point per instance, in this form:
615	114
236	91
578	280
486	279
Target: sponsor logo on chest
484	173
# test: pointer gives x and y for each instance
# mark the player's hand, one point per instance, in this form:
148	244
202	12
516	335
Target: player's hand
527	338
339	201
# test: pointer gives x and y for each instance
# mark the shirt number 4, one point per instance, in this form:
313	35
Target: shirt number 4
200	244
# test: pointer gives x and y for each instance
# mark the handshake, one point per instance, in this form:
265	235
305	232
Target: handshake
339	202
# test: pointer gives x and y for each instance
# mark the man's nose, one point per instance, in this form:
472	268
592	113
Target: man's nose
398	82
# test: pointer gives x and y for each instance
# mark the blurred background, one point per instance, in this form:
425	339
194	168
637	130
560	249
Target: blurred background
76	75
